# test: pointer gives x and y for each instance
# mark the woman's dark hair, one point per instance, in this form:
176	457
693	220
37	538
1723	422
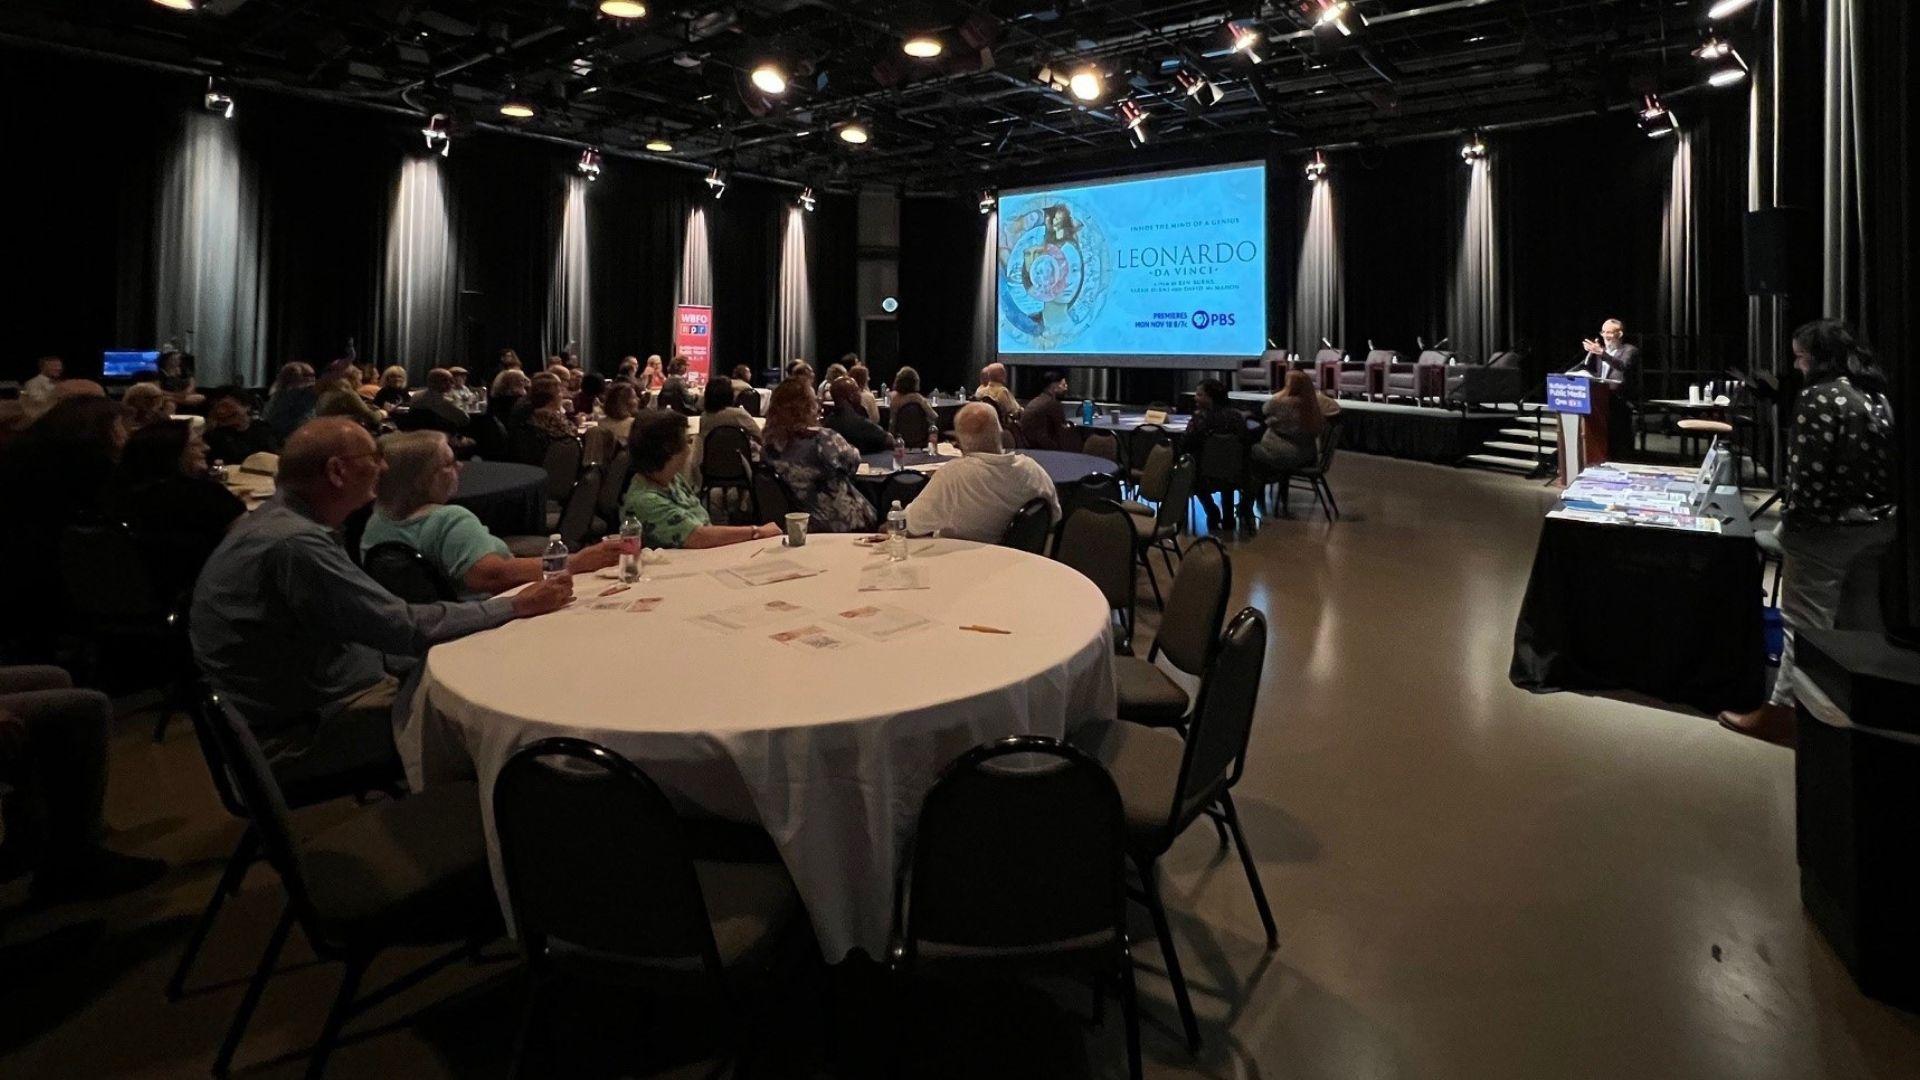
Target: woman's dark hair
80	425
1215	390
591	385
846	397
655	441
906	381
153	452
719	395
1834	351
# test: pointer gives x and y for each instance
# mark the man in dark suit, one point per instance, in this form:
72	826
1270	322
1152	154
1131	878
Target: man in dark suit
1611	360
1043	423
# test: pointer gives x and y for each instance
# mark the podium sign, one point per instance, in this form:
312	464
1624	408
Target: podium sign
1581	403
693	338
1570	394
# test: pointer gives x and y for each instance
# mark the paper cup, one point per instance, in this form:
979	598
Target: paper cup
796	529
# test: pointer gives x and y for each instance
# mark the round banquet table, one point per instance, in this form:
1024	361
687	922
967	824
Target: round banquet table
1063	467
830	749
510	499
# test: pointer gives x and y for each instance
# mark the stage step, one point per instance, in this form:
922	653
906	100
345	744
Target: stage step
1496	461
1527	448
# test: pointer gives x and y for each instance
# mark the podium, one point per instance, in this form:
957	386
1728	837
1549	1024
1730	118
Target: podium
1582	404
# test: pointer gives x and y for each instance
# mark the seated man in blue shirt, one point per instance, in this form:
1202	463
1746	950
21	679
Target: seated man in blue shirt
665	502
290	631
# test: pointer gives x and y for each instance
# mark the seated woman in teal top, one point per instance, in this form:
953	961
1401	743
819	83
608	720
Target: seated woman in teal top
665	502
412	509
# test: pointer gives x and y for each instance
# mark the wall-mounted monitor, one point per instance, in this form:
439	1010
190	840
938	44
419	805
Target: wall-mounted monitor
126	363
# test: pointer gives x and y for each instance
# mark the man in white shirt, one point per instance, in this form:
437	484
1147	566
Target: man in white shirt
976	497
37	394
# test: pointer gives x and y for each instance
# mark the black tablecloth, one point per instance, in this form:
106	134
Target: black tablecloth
1062	467
508	498
1671	614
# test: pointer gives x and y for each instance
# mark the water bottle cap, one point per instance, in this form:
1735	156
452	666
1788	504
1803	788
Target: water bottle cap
896	504
552	538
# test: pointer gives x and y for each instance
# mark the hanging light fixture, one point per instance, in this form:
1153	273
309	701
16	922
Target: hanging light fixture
769	79
1474	149
218	100
658	143
622	9
988	200
1317	168
855	132
1087	84
717	181
806	199
179	5
589	164
1340	15
439	134
1655	119
922	46
1245	37
1712	47
1723	8
1198	88
516	106
1135	119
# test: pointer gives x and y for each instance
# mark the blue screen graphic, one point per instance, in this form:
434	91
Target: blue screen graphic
1154	269
124	363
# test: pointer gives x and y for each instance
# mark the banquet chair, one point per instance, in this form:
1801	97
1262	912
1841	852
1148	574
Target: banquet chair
411	872
1150	479
1188	636
403	571
1028	529
562	462
1166	783
604	886
1097	540
1100	444
1140	443
911	424
1315	475
613	487
597	446
575	524
749	399
1161	529
1018	860
112	590
726	462
773	500
904	485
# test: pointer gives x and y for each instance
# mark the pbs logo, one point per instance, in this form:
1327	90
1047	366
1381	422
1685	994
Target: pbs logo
1203	319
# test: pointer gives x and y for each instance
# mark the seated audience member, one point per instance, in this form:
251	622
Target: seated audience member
571	380
629	369
339	398
1043	420
800	369
654	376
53	757
835	372
848	417
422	474
860	375
742	379
719	409
508	391
544	411
1295	419
176	378
291	632
622	404
675	394
291	401
814	461
162	489
975	497
461	394
37	393
436	398
1214	414
510	360
370	383
587	401
663	499
906	390
393	388
146	403
993	388
56	473
232	435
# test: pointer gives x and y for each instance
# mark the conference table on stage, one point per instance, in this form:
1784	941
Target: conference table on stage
821	707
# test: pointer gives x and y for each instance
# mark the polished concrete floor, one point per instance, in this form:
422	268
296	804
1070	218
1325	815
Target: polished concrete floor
1471	881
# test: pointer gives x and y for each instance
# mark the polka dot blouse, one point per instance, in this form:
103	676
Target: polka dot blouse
1840	463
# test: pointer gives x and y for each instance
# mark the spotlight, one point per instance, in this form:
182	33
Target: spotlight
1729	69
855	132
1317	168
1245	37
218	100
1135	118
1336	13
770	79
717	181
1198	88
988	200
622	9
589	164
805	201
1655	119
921	46
1712	47
516	106
1723	8
1474	149
658	143
1086	84
439	133
180	5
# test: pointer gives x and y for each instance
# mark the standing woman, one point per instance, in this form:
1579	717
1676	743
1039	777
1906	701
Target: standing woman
1839	517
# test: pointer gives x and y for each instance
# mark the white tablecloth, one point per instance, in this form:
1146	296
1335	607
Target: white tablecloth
830	750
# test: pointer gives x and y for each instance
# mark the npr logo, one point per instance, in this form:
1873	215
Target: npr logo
1203	319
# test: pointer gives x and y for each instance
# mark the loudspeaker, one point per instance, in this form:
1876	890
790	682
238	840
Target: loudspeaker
1772	238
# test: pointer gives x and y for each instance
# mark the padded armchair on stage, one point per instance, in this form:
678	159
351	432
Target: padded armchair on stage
1339	376
1498	381
1424	380
1263	375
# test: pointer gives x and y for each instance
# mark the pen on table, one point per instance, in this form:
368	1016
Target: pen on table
757	552
986	629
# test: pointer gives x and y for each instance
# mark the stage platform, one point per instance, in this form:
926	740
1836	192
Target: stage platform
1421	433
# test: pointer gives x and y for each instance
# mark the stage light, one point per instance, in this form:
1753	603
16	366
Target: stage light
853	131
1728	75
516	106
179	5
806	199
1135	118
1245	37
439	133
218	100
1335	14
1317	168
1655	119
770	79
622	9
717	181
988	200
921	46
1712	48
1199	88
657	142
589	164
1723	8
1086	84
1474	149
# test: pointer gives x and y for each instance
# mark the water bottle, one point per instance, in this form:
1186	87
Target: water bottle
899	453
896	533
554	563
933	439
1086	413
631	540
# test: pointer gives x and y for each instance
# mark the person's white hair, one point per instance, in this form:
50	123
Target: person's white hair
976	427
413	457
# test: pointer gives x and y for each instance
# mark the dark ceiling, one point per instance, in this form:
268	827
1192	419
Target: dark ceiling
975	116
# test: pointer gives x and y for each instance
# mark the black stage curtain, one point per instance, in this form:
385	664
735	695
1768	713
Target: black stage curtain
745	246
940	244
832	254
1398	242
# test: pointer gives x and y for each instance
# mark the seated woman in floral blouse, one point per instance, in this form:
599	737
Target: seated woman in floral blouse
817	463
665	502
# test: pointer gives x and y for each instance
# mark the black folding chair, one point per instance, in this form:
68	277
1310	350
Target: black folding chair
726	462
404	572
904	485
1188	636
912	423
1018	858
1097	540
1161	531
1029	528
773	500
114	593
577	512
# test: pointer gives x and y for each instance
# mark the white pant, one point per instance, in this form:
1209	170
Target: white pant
1829	578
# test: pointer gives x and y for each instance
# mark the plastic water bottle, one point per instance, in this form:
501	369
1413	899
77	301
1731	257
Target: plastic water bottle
1086	413
632	537
554	563
899	453
896	533
933	439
